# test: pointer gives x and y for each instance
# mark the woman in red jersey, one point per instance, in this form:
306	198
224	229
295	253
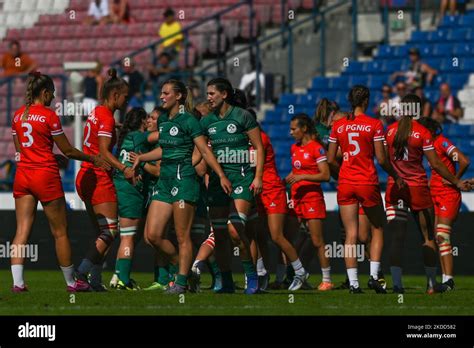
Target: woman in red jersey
360	137
309	169
446	198
95	186
35	129
407	141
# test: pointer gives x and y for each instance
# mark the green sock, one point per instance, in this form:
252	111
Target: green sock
173	269
249	268
164	276
117	267
156	274
124	267
181	280
214	268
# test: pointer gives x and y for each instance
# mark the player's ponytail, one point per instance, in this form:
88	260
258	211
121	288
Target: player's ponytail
35	84
324	109
358	97
133	121
405	124
432	125
114	83
186	94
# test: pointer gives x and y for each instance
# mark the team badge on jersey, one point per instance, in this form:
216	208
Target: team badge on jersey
238	190
445	144
306	155
297	164
174	131
340	129
174	191
231	128
212	130
321	151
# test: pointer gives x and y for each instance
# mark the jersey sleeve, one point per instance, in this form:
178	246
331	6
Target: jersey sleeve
106	126
194	127
447	146
378	132
248	122
319	153
55	125
427	140
333	136
204	125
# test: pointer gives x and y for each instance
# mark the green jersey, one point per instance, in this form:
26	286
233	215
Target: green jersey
323	132
228	138
177	141
134	141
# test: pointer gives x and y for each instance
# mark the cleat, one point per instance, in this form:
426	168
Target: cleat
194	282
444	287
175	289
156	286
298	281
263	281
130	286
306	286
225	290
17	289
99	287
217	283
382	281
353	290
252	285
430	291
374	284
397	290
345	285
79	286
325	286
114	281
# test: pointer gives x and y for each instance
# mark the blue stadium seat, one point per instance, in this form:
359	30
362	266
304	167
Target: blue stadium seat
401	51
468	65
376	82
287	99
448	65
426	49
419	36
457	81
272	116
450	21
385	51
373	67
467	20
463	49
393	65
341	83
358	80
443	49
439	35
354	67
320	83
460	34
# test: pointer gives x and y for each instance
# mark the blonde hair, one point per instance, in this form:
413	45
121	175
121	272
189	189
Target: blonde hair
35	84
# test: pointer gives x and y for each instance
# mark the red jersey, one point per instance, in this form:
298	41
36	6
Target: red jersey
305	159
443	148
35	136
410	168
100	123
271	179
356	138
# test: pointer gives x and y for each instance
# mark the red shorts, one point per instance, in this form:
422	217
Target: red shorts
311	206
95	187
414	197
44	185
272	202
364	195
447	202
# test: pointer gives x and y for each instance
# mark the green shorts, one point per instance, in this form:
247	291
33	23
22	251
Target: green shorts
240	189
131	199
174	190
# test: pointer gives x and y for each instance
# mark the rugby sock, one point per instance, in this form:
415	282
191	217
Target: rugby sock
68	273
181	280
327	274
396	276
297	267
173	269
353	280
444	278
431	275
17	273
124	267
227	280
281	272
447	277
261	270
214	268
85	266
374	269
195	265
156	273
163	276
96	274
249	268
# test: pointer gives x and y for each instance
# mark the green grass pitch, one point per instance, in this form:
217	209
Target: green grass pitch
48	296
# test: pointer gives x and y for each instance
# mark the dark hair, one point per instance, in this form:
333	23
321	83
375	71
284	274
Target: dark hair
357	96
133	121
159	109
222	85
112	84
433	126
324	109
187	95
240	99
35	84
405	125
168	12
14	42
306	121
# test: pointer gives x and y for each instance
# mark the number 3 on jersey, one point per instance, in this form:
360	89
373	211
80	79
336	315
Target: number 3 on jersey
27	134
88	127
354	142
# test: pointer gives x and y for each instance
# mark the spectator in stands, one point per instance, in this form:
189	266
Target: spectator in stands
165	68
120	12
98	12
444	4
448	108
135	84
169	27
15	62
426	108
383	104
8	175
92	85
418	74
248	82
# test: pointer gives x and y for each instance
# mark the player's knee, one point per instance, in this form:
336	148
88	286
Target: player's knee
108	230
396	214
238	219
443	239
